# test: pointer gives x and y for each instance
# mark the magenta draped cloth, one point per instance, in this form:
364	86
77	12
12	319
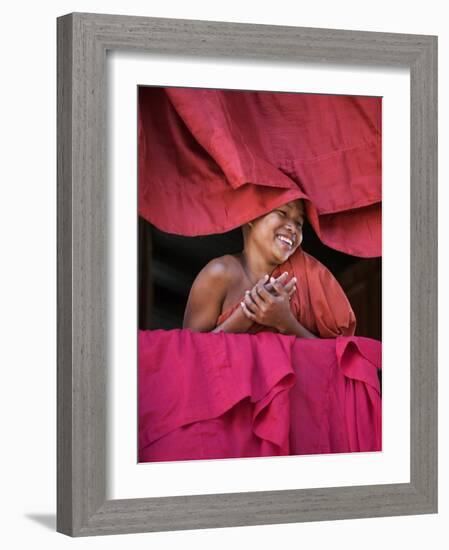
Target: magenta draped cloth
212	160
210	396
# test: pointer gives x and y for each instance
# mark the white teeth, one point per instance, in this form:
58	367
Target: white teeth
285	240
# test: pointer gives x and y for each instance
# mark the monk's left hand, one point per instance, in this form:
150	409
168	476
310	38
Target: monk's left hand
267	308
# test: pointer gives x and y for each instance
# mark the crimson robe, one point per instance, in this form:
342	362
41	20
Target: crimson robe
212	160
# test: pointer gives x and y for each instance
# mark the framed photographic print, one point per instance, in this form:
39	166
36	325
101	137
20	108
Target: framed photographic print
240	177
227	182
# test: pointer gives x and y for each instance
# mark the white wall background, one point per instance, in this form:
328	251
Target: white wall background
28	271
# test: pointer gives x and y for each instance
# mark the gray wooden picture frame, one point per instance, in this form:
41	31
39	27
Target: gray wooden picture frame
83	40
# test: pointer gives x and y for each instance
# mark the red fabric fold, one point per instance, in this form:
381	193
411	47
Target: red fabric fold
231	156
206	395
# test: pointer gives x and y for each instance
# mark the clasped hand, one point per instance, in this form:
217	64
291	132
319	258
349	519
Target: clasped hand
269	304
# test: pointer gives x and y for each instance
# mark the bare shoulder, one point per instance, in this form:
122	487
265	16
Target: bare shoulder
225	269
209	289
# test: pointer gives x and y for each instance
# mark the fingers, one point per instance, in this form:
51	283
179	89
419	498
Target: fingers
249	302
279	288
264	295
287	289
268	288
256	292
247	312
278	284
275	282
281	279
283	276
257	295
290	287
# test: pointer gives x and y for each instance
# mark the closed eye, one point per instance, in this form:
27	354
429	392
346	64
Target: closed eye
284	214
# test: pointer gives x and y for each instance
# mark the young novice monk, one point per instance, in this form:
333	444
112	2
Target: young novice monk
271	285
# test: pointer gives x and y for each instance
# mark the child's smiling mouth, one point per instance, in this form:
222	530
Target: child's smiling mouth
286	241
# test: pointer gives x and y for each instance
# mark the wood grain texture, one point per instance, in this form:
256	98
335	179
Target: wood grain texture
64	278
83	40
423	274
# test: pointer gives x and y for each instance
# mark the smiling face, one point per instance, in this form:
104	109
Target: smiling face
279	233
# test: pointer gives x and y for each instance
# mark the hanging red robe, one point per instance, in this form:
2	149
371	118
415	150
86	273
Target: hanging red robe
212	160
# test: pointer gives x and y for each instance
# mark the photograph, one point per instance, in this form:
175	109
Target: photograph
247	244
259	273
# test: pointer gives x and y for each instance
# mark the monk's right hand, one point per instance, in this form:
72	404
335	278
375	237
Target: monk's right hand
289	287
247	303
269	308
